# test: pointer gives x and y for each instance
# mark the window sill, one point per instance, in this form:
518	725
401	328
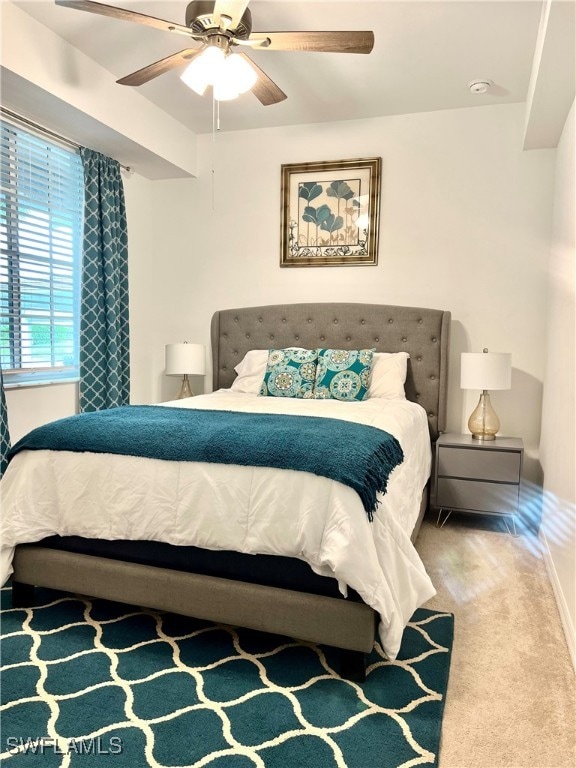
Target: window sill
33	384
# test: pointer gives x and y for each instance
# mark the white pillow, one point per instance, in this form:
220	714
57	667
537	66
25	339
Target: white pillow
250	370
388	375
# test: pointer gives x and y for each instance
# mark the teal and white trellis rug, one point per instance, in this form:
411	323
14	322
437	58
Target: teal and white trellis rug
91	683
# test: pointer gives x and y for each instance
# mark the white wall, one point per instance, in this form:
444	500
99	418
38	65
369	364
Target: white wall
465	226
29	407
558	445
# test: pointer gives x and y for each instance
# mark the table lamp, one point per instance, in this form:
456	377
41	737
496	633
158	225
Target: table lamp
485	370
183	359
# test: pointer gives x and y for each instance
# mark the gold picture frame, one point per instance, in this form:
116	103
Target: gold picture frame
330	213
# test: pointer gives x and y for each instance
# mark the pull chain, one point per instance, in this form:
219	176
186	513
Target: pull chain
215	127
213	146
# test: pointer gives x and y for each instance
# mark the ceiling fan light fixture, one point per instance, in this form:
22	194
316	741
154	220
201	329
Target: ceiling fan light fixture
229	74
204	70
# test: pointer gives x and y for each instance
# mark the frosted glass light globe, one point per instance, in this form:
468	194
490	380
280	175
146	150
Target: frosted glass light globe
204	70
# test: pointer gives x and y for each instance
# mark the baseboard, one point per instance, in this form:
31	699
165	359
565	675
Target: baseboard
565	617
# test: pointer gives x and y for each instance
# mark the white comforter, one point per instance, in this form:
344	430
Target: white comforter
247	509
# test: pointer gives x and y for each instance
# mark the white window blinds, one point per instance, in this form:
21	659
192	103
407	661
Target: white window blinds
41	202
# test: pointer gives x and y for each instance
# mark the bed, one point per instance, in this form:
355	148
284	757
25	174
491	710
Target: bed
259	590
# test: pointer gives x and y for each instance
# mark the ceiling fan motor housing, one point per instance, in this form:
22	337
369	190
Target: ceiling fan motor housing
200	19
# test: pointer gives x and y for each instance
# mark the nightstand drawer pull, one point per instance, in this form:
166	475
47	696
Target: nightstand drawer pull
501	466
498	498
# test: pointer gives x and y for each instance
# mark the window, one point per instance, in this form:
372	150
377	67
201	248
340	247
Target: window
41	202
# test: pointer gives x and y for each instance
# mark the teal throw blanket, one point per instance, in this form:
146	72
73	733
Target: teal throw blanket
359	456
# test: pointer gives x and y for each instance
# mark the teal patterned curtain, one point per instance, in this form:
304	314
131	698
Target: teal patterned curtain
104	334
4	431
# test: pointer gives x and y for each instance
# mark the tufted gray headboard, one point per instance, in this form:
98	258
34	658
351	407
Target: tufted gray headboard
423	333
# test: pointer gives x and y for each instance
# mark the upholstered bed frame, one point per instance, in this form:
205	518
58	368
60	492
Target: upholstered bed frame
424	333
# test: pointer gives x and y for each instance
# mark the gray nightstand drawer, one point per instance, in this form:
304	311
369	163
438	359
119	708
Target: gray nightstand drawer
477	496
503	466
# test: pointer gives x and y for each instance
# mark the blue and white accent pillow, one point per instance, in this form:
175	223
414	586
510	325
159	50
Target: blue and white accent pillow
343	374
290	372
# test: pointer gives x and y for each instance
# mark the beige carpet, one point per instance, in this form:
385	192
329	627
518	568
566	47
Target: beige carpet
511	696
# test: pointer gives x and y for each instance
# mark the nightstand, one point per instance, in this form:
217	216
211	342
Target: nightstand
476	477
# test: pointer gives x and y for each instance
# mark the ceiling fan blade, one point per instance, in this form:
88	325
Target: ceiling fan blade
124	15
265	89
233	9
159	67
328	42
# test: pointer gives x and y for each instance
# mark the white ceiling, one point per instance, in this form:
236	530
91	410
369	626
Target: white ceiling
424	56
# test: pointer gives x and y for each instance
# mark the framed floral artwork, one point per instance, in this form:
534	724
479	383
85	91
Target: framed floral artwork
330	213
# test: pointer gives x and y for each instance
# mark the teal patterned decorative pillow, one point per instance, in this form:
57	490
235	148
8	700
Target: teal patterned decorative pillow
290	373
343	374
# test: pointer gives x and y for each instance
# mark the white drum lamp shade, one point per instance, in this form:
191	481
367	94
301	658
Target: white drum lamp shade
485	370
184	359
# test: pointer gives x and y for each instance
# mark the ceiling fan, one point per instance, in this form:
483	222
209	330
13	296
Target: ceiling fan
222	28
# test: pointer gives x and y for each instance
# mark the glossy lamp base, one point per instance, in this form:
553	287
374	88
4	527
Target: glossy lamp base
185	389
484	422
